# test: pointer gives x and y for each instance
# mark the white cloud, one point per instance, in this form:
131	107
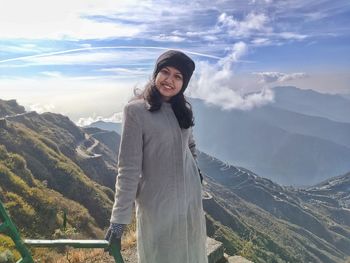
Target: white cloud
82	122
100	56
75	98
62	20
238	50
272	77
208	35
252	23
116	117
166	38
89	19
126	71
40	108
210	38
77	58
108	55
86	45
292	35
216	84
53	74
263	1
324	82
261	41
21	48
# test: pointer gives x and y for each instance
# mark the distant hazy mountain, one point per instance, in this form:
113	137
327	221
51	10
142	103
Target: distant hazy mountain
310	102
346	96
109	126
286	147
323	128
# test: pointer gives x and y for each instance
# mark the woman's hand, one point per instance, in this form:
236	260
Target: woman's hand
114	233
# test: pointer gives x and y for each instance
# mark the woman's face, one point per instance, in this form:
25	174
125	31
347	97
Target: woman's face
169	82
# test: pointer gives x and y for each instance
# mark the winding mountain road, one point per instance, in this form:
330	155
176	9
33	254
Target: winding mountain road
87	153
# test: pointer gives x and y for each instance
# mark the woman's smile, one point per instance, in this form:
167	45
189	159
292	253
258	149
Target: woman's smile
169	82
167	86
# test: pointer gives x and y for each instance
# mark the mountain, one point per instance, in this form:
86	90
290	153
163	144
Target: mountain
109	143
336	188
248	213
310	102
109	126
10	107
271	222
323	128
289	148
47	161
33	204
346	96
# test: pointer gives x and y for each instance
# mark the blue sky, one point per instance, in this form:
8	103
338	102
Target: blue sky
83	58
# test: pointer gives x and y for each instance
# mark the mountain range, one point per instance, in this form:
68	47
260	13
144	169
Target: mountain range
48	166
109	126
276	223
282	141
300	139
309	102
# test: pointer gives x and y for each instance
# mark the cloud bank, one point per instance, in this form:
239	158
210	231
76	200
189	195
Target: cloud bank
116	117
215	84
273	77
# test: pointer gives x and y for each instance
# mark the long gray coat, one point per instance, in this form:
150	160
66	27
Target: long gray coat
157	168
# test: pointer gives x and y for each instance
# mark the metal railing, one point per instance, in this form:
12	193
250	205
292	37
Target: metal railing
8	228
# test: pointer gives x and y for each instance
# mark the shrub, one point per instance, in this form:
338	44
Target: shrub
7	257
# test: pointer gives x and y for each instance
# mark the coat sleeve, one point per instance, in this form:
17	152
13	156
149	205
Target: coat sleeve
129	166
192	145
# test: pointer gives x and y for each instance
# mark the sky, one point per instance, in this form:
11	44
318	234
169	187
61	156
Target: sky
84	58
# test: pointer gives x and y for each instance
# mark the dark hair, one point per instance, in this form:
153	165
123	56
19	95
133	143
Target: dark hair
181	107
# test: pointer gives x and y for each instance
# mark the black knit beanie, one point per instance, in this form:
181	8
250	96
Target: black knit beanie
178	60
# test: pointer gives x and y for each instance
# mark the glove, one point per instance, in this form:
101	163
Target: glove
114	232
200	175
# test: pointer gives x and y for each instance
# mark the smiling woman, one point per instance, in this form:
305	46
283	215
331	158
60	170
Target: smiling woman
157	168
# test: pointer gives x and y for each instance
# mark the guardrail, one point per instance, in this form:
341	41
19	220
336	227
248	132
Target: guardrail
8	228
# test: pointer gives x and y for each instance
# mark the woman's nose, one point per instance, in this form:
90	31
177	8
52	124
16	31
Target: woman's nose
168	78
171	77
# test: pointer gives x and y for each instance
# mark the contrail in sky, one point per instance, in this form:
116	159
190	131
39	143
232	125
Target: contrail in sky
97	48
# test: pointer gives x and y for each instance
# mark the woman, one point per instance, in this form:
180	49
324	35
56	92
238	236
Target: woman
158	170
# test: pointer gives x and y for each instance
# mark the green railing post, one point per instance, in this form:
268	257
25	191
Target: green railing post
64	219
114	249
9	229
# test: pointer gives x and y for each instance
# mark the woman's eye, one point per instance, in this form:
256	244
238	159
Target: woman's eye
178	77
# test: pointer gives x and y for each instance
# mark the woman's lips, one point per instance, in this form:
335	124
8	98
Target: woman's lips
167	86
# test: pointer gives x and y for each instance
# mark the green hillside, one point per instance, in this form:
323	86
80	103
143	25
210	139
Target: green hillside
35	209
47	163
42	176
